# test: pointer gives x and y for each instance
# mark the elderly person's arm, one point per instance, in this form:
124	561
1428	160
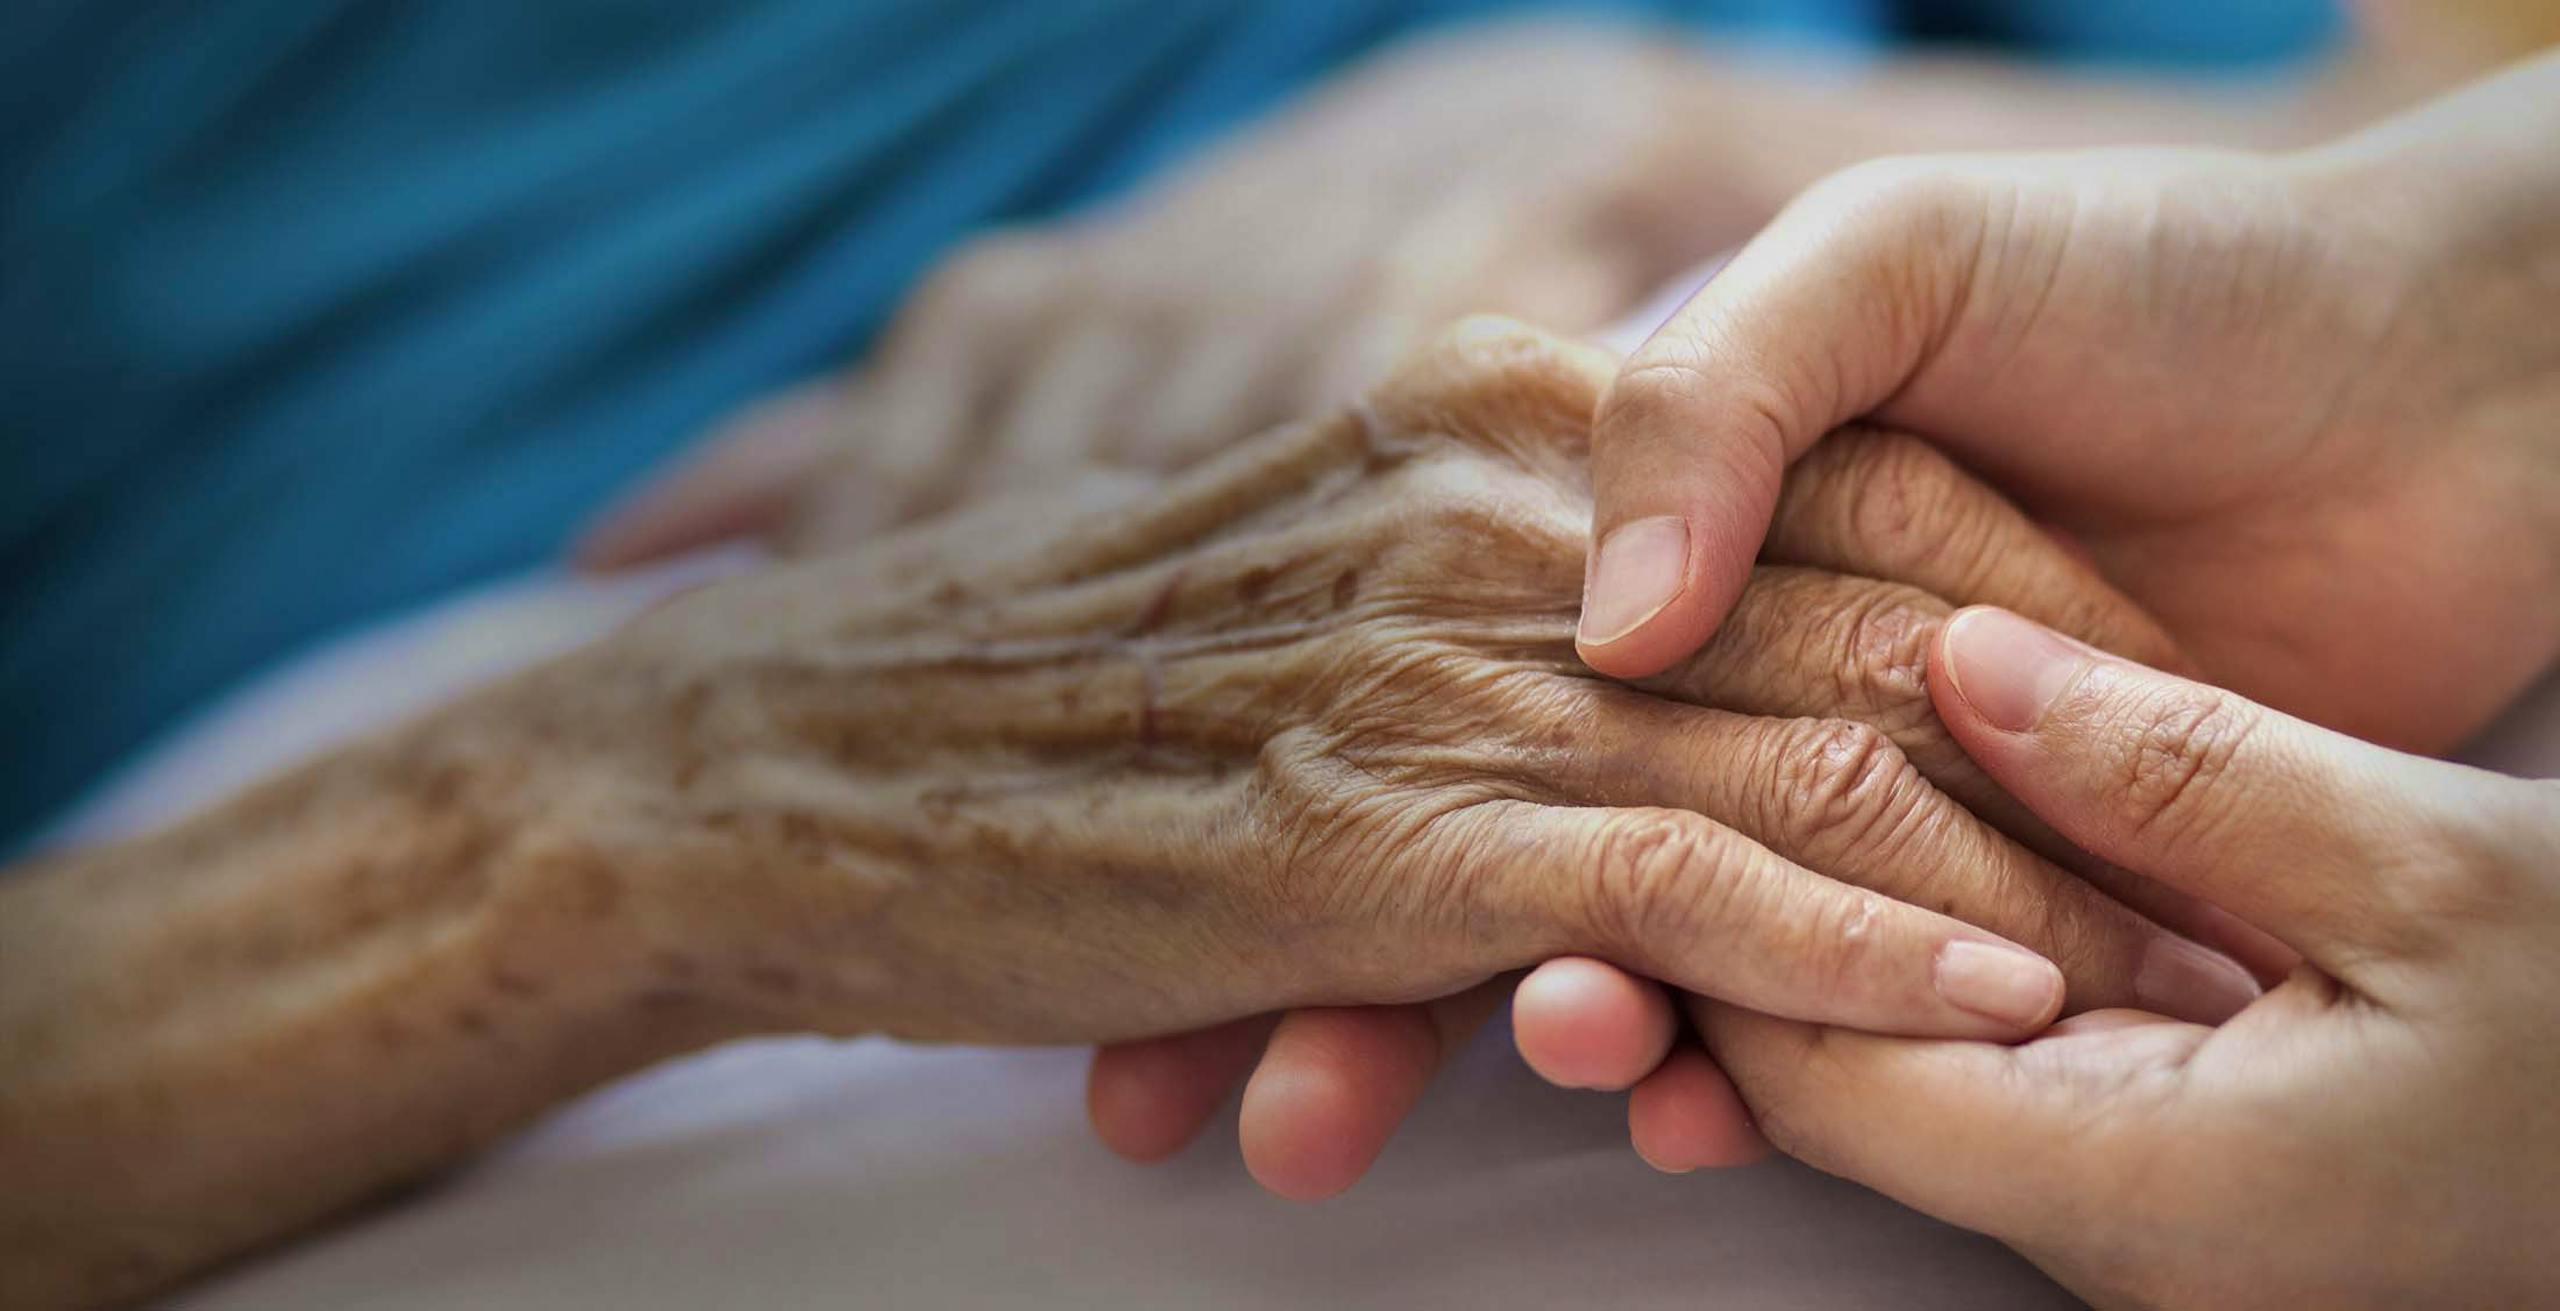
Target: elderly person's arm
1303	727
330	986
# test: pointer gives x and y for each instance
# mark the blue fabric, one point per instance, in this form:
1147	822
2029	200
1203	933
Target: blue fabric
315	309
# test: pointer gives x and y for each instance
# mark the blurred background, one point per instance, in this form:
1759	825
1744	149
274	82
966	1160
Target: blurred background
315	311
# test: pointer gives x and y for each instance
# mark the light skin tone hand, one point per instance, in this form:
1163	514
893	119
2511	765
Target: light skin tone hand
760	471
2379	1130
2328	379
1300	728
1327	1089
1020	358
2425	497
2437	429
2323	377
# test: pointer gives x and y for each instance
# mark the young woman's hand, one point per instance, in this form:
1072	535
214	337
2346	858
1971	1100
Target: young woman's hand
2379	1130
2302	408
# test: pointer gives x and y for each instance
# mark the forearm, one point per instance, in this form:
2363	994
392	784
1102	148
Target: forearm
331	986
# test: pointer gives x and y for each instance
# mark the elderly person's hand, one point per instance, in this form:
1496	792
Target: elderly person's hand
2300	408
1304	726
2290	404
1876	539
1301	727
2380	1130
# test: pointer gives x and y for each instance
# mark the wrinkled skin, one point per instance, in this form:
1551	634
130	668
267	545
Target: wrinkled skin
1815	642
1872	532
2297	405
2289	403
2377	1131
1301	727
1223	735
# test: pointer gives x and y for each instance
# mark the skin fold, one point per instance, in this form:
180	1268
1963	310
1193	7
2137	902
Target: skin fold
1300	728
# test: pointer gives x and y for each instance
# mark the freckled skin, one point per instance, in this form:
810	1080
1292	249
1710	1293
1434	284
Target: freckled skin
1301	726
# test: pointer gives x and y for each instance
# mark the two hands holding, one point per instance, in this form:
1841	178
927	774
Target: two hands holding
1872	772
2301	411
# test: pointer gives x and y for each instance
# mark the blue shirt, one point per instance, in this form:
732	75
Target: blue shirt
314	309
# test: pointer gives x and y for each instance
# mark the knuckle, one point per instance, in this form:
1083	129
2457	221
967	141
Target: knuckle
2185	743
1656	880
1842	787
1667	374
1903	502
1493	537
2088	934
1835	949
1910	228
1498	384
1908	510
1882	666
1319	823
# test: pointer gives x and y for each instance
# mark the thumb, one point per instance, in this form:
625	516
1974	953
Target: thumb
1821	319
2290	826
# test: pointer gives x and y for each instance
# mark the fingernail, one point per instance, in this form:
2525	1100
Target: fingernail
2008	984
1660	1167
2009	670
1637	571
2185	981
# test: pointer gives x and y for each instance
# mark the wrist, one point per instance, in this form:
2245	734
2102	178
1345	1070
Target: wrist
2453	211
340	980
701	843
